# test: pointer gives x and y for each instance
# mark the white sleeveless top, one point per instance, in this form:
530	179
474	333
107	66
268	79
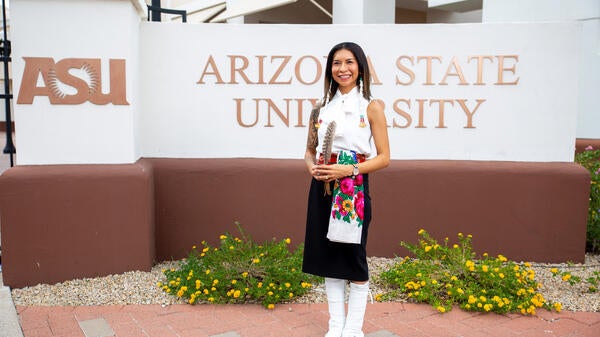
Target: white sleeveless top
353	131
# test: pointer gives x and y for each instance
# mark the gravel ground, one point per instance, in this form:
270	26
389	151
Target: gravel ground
140	288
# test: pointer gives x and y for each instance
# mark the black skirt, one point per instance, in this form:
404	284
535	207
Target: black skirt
333	259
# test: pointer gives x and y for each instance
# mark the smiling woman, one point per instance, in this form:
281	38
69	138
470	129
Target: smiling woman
351	130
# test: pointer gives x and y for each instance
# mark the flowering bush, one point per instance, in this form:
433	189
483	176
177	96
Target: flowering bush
240	271
444	274
590	159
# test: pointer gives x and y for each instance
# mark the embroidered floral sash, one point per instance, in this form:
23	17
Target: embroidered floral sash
348	205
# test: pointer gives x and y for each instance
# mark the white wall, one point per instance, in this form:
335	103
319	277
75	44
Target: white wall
587	13
187	93
363	11
84	133
514	122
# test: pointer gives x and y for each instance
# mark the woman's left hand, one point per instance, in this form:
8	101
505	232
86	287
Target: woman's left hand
331	172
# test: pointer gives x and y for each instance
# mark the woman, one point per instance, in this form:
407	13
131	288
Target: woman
360	126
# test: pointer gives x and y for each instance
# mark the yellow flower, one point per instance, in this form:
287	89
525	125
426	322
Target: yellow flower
245	274
557	306
194	247
223	237
215	282
287	285
441	309
347	205
211	299
484	268
455	246
236	294
288	241
213	289
454	278
205	250
233	281
554	270
207	271
159	284
257	260
566	277
427	248
205	291
271	306
460	235
421	231
502	258
260	284
291	295
378	297
488	307
501	275
231	247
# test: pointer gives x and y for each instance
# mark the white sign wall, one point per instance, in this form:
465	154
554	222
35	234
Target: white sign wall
93	84
63	50
469	91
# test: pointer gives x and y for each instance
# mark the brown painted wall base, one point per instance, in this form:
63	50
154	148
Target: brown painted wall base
582	143
63	222
72	221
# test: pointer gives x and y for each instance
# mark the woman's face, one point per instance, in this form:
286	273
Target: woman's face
344	70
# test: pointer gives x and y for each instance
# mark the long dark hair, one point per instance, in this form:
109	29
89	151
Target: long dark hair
331	86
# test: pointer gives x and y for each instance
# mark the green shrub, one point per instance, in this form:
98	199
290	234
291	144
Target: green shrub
240	271
443	275
590	159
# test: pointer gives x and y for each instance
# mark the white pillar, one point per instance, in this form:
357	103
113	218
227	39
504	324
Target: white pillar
363	11
75	71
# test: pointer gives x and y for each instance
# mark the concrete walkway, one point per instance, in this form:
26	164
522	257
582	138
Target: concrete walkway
301	320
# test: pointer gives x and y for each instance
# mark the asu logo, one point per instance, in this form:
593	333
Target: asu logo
72	81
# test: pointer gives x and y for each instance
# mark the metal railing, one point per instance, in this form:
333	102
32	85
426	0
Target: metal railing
158	10
5	50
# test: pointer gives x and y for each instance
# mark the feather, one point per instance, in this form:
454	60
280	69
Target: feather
326	149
